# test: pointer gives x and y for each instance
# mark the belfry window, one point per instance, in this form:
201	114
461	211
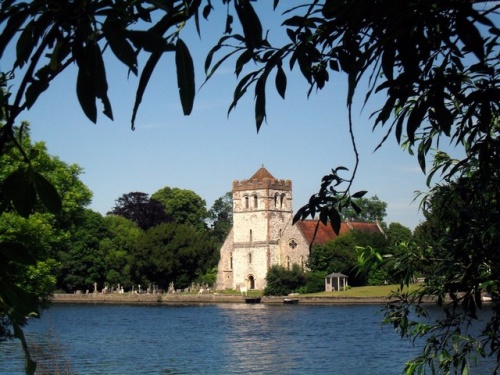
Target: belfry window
250	258
246	202
255	201
282	199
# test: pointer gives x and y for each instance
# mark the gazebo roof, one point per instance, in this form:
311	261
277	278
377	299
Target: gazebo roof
336	274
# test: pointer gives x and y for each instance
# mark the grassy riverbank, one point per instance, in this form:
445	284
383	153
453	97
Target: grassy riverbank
361	291
372	294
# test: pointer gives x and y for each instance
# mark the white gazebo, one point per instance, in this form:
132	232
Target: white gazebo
335	281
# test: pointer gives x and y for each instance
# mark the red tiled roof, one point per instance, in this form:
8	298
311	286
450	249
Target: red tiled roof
325	232
262	174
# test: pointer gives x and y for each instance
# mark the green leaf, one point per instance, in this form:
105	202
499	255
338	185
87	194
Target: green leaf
26	199
185	76
143	83
48	194
260	101
241	89
470	36
415	120
14	24
335	220
399	126
19	189
98	73
244	58
229	24
281	82
147	40
423	149
207	9
355	207
119	45
252	28
86	93
34	90
359	194
219	63
25	45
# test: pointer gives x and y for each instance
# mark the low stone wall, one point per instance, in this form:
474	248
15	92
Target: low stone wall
133	298
129	298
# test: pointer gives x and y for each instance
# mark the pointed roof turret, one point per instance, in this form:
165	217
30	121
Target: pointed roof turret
262	179
262	174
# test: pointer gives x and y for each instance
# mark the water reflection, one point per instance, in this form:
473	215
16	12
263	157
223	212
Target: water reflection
253	337
220	339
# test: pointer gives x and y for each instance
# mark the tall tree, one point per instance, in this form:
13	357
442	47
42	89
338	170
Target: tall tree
142	210
397	234
366	210
172	252
184	206
118	249
340	255
220	217
83	264
31	234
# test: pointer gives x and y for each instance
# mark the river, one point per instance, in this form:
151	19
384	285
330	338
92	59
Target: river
216	339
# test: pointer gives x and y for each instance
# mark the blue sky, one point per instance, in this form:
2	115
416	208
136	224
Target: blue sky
302	140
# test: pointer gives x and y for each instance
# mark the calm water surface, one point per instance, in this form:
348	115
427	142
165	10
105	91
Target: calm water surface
217	339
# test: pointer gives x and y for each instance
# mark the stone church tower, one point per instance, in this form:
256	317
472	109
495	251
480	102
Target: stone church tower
262	209
263	234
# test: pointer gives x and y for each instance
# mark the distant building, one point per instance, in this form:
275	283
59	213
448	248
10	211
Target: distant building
263	234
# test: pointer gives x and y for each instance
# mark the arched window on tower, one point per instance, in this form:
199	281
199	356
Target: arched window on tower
255	201
276	200
250	258
251	235
282	200
246	202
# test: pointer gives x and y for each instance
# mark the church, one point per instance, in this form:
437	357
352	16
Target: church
263	235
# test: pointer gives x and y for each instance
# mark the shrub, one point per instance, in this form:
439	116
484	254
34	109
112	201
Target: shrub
281	282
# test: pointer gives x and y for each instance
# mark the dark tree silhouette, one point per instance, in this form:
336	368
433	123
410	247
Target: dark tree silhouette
142	210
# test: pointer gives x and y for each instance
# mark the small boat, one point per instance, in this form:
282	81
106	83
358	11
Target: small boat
290	301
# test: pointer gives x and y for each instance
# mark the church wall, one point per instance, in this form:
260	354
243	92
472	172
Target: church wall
225	271
262	210
295	247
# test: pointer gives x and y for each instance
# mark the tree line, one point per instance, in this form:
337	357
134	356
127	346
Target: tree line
170	236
